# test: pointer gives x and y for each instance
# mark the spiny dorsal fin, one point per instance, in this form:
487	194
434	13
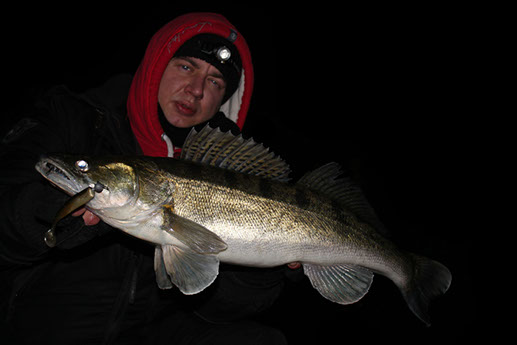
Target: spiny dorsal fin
224	150
344	190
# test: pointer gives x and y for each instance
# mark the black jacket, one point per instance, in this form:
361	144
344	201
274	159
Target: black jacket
98	284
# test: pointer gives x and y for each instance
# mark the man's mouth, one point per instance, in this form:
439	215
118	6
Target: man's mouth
185	108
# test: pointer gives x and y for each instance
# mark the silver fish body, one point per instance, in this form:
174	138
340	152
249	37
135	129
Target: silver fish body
209	208
273	223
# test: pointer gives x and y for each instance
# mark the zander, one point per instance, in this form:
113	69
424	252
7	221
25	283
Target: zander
228	199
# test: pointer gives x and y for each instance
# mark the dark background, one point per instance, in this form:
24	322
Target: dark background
383	91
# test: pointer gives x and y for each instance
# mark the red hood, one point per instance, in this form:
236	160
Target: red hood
142	101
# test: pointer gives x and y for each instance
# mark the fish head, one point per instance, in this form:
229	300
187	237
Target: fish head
115	182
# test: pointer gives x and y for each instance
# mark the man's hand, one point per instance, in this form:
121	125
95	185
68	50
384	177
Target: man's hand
88	217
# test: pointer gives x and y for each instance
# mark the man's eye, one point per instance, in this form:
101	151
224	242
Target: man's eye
185	67
217	83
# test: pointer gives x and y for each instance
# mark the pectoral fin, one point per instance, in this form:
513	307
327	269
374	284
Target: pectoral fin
189	271
195	236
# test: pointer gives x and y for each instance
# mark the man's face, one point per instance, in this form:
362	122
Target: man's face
190	92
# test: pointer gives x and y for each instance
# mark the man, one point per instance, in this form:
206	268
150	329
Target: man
98	285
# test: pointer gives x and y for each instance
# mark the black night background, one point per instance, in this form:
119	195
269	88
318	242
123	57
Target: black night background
379	90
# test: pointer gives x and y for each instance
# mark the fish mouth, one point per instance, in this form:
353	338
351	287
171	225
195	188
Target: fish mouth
52	169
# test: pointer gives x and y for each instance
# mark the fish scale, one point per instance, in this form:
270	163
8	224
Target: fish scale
240	210
228	199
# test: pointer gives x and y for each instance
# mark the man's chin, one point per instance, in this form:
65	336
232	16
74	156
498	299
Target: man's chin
181	120
185	120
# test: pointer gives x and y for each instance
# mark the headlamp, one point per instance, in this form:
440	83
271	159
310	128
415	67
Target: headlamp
223	54
220	53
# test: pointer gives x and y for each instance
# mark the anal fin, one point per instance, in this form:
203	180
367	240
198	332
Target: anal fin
189	271
343	284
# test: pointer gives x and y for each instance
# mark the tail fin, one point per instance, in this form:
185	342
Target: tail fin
431	279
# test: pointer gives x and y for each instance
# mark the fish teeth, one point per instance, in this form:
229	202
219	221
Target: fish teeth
51	168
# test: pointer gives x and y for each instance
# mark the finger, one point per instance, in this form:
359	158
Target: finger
90	219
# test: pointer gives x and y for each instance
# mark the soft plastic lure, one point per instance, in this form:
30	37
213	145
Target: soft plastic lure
78	200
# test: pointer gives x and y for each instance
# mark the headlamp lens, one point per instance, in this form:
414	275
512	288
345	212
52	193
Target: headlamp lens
224	54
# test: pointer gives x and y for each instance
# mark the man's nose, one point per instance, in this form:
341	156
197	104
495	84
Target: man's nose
195	86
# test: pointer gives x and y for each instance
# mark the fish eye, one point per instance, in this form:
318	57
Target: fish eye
82	165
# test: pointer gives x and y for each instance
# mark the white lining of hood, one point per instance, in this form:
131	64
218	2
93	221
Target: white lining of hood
232	106
170	147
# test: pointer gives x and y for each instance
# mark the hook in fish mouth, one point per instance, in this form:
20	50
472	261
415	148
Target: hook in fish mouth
98	187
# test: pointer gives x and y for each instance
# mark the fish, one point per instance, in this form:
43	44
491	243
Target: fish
230	199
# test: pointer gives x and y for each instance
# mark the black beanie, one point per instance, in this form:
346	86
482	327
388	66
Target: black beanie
218	52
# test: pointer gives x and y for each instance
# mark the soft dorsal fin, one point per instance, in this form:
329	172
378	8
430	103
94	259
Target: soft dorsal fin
224	150
344	190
